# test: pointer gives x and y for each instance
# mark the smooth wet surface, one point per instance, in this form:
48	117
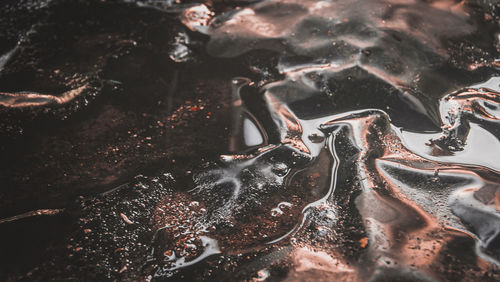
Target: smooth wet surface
250	140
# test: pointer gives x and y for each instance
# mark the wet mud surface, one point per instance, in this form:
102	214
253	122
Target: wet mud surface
250	140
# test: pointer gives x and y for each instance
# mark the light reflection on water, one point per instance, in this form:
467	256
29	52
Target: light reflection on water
364	146
408	182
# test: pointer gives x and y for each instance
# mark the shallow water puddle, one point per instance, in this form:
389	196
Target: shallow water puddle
279	140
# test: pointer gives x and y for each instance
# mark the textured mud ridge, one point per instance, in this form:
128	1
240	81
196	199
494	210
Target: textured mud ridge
273	140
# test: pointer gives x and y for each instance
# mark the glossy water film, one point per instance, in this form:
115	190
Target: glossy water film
250	140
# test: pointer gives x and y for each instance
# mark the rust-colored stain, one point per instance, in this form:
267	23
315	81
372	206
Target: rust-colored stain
363	242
